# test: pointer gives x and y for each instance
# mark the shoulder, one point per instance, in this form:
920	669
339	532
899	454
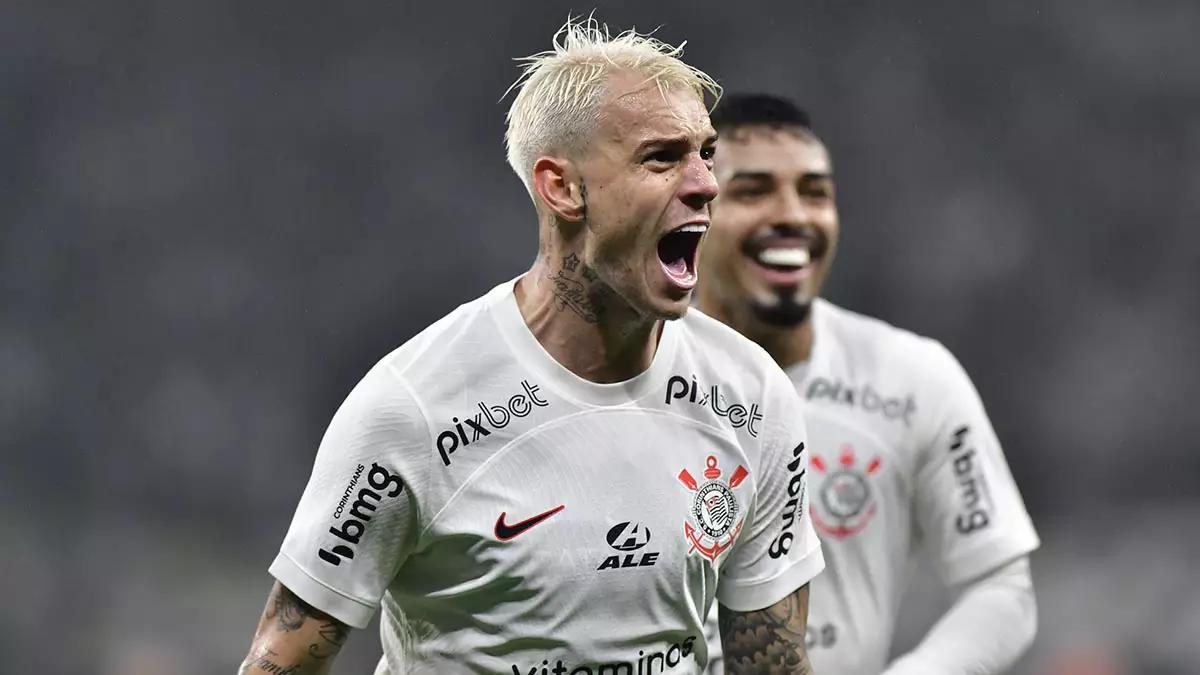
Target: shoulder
741	376
443	337
874	345
393	392
708	334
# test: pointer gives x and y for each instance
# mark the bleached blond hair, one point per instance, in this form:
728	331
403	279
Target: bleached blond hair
560	90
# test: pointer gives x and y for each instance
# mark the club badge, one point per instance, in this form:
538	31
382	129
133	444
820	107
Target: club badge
716	517
846	501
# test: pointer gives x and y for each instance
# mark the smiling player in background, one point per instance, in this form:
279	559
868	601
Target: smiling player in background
564	475
903	454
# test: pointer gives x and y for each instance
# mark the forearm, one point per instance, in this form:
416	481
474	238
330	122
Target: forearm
293	638
768	641
990	625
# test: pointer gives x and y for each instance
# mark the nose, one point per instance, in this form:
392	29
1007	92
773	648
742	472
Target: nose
699	186
792	210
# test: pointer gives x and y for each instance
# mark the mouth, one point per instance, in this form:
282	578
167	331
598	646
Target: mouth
677	253
784	257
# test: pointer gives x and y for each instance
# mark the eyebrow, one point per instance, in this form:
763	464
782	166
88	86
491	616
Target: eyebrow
672	141
768	176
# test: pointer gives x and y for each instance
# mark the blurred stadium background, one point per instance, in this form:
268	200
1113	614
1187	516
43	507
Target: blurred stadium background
216	216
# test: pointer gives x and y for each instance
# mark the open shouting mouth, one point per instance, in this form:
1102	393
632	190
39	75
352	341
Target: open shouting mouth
677	251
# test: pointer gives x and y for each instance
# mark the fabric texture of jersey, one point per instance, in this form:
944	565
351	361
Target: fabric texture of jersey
511	517
902	456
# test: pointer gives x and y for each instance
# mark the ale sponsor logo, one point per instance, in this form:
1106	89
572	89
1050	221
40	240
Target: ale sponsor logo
628	539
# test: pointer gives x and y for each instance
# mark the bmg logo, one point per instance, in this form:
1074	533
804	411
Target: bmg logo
388	484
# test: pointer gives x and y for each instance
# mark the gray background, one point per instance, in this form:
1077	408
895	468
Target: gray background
216	216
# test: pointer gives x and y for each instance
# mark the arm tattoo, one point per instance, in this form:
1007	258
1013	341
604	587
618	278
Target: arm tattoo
266	665
333	635
769	641
290	612
571	293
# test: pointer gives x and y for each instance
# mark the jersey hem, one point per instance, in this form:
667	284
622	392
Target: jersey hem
349	610
751	596
988	557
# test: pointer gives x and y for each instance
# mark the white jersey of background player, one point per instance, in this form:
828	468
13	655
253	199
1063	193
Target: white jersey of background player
903	454
563	475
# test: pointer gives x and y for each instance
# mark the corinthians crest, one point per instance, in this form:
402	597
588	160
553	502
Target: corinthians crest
715	510
847	503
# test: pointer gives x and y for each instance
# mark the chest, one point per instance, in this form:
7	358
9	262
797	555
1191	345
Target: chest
630	502
864	457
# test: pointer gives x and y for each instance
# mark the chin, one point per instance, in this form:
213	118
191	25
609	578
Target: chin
782	308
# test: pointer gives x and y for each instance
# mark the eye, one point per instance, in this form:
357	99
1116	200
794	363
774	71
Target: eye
749	192
818	191
707	154
662	157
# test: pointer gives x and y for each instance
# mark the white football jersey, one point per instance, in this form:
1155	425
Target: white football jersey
903	455
511	517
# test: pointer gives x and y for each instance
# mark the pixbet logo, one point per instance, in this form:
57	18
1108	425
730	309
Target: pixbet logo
972	488
863	397
736	413
488	419
628	537
361	511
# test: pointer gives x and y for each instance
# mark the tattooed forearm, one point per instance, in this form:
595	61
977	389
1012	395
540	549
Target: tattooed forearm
289	611
265	665
768	641
573	294
333	635
294	638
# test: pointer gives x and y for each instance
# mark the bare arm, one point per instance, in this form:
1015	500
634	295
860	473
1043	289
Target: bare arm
990	626
293	638
767	641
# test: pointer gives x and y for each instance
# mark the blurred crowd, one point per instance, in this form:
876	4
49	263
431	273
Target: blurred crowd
214	217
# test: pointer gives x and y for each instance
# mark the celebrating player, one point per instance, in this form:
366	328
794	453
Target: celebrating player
562	475
902	450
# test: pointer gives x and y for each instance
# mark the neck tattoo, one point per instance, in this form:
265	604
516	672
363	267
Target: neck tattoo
572	294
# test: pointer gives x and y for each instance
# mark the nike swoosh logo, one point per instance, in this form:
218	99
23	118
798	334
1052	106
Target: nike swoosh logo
504	531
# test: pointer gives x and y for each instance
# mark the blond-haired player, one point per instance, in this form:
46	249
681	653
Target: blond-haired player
562	476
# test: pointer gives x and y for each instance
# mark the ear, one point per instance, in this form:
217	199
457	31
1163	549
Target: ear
556	181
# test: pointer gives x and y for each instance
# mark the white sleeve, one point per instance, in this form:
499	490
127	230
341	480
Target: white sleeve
777	551
967	507
989	627
358	516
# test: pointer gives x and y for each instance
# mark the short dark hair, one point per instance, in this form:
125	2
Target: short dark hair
734	111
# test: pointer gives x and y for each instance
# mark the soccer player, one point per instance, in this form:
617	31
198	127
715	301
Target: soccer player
903	454
561	476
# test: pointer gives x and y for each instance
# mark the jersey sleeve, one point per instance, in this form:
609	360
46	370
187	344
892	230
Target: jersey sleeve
967	507
778	551
358	517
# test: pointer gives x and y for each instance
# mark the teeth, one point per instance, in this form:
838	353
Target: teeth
693	228
787	257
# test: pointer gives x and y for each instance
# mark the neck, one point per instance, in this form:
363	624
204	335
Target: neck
580	322
788	345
